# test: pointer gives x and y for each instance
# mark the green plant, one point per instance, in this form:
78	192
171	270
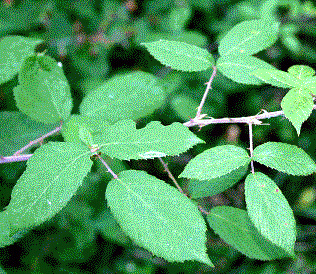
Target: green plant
155	215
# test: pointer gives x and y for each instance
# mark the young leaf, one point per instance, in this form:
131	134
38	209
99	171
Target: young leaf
43	93
249	37
85	136
52	177
239	68
199	189
70	128
297	105
269	211
129	96
278	78
285	158
301	71
14	49
17	130
216	162
125	142
234	226
158	217
180	55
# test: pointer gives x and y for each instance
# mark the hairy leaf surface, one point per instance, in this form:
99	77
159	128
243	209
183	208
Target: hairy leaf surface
158	217
53	175
269	211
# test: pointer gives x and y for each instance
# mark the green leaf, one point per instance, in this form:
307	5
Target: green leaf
301	71
43	93
178	17
53	175
234	226
199	189
17	130
125	142
269	211
70	129
158	217
131	96
180	55
216	162
285	158
240	68
297	105
249	37
85	136
14	49
278	78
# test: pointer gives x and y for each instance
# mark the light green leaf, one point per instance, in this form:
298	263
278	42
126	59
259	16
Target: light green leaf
180	55
178	17
17	130
249	37
199	189
234	226
14	49
85	136
158	217
70	129
240	68
269	211
278	78
297	105
285	158
53	175
43	93
216	162
129	96
125	142
301	71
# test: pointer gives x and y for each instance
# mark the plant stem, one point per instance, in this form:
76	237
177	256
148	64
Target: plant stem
107	167
208	87
15	158
251	147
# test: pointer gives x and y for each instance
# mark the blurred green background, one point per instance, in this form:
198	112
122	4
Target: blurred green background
95	40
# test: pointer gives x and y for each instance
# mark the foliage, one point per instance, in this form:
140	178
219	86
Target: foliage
118	85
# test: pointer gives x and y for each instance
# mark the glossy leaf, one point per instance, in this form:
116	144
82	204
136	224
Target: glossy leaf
123	141
17	130
199	189
239	68
53	175
180	55
234	226
297	105
158	217
269	211
301	71
278	78
249	37
44	92
14	49
216	162
286	158
129	96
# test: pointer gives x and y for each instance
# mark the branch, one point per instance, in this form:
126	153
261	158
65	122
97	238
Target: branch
15	158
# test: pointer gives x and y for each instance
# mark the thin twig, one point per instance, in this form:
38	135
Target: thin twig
208	87
251	147
107	167
40	139
15	158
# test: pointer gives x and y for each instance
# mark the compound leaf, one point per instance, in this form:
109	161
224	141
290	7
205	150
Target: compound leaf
285	158
249	37
180	55
53	175
270	212
44	92
13	51
129	96
234	226
216	162
297	105
239	68
123	141
158	217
